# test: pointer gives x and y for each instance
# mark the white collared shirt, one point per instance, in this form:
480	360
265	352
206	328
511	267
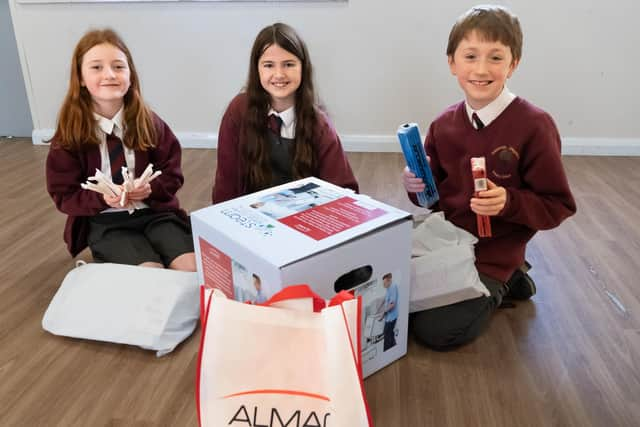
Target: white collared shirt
288	116
115	126
491	111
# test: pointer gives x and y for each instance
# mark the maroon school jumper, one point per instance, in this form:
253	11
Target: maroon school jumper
332	164
66	170
522	151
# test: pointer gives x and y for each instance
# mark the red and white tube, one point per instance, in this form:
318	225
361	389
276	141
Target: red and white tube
479	173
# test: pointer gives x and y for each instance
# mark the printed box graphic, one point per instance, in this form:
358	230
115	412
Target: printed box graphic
310	231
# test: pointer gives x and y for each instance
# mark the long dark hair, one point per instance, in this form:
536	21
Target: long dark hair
255	151
76	125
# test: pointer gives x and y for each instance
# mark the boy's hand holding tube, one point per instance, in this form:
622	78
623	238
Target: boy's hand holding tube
411	183
491	201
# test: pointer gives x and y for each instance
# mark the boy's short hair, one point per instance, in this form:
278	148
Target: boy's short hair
387	276
495	23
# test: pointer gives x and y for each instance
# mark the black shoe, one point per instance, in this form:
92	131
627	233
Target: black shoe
521	286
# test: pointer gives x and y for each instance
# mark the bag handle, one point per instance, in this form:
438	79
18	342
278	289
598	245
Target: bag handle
297	292
341	297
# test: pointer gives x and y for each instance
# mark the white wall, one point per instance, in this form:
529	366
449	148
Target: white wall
15	119
378	62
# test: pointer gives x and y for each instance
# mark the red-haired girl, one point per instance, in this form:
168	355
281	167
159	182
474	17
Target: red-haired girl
103	124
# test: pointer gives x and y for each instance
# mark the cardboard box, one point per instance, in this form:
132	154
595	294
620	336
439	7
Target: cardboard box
310	231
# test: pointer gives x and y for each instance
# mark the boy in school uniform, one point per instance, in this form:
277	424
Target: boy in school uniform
527	186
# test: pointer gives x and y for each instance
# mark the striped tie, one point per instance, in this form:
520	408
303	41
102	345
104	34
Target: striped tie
116	158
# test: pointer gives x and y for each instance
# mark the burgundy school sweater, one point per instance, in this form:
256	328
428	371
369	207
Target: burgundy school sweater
66	170
522	151
229	181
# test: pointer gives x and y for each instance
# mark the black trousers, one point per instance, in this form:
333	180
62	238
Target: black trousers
389	335
448	327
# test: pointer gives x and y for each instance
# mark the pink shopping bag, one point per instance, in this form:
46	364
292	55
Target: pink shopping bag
291	362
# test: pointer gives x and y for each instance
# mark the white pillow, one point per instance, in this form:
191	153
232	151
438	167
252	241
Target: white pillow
152	308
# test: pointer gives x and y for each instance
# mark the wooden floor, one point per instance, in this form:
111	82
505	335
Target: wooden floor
570	357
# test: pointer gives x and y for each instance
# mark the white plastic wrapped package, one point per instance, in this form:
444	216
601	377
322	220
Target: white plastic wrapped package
443	268
152	308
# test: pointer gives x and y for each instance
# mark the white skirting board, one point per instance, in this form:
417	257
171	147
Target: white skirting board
187	139
571	146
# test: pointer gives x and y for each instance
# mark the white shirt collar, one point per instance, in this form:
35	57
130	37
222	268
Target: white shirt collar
491	111
110	125
288	116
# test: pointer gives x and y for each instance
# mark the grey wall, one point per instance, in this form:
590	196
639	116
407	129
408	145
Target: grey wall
15	118
378	62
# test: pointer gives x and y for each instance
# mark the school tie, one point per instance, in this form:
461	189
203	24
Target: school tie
478	122
275	124
116	158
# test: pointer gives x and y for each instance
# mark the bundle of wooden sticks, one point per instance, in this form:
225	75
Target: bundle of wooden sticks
101	183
